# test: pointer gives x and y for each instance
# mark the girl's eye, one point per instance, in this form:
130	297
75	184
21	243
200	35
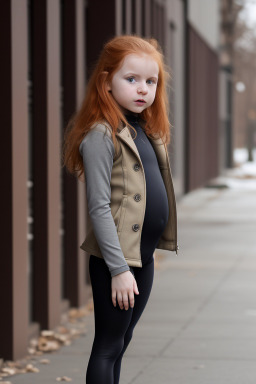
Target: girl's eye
152	81
130	79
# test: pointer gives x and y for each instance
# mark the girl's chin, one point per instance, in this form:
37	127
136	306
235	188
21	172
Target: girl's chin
127	112
136	109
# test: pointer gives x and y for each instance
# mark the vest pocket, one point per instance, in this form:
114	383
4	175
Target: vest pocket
122	213
116	216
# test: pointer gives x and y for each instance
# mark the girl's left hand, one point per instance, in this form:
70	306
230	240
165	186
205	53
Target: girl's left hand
124	285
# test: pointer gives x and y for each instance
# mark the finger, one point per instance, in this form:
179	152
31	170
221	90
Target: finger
125	301
114	298
135	287
120	299
131	299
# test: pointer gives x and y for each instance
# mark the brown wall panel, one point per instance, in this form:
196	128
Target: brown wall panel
6	281
53	160
69	182
138	17
147	23
46	155
14	255
101	26
202	161
20	175
76	289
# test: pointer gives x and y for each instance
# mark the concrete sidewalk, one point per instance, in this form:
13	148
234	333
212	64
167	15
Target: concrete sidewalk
199	326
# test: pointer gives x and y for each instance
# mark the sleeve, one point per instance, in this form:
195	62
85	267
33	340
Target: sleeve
98	151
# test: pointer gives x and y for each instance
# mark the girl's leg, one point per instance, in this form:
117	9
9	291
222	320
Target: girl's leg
111	324
144	277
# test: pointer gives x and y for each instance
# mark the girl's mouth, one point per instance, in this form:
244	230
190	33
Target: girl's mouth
140	102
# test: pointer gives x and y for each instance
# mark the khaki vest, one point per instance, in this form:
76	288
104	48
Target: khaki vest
128	198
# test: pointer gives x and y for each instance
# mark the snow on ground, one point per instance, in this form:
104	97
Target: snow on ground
243	175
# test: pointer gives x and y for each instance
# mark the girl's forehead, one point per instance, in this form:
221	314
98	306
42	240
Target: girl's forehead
135	62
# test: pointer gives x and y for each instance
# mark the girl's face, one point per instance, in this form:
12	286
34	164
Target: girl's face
133	86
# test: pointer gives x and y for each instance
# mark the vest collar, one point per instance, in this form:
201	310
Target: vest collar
157	144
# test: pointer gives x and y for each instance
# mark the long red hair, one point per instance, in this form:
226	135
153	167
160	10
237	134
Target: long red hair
99	104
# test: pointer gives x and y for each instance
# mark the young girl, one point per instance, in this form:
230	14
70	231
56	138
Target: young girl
118	141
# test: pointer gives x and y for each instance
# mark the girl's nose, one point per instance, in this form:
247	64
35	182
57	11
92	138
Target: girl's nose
142	88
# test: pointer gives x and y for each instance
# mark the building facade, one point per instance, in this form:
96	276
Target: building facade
50	47
202	90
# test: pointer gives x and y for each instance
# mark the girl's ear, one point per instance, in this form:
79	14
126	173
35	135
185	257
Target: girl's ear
108	85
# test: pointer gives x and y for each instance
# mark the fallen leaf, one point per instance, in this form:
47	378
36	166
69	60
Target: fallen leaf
63	378
61	338
47	345
31	368
44	361
47	333
9	370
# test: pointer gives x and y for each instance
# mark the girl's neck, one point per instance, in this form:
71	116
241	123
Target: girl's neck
131	116
130	113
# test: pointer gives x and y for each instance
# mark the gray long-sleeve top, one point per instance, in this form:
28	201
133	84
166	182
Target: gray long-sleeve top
97	150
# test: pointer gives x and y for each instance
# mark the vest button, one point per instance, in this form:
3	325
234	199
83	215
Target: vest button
135	227
136	167
137	197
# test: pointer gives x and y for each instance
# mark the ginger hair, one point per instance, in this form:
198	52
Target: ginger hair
99	105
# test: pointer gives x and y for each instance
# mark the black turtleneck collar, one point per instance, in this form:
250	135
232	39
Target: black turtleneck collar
132	117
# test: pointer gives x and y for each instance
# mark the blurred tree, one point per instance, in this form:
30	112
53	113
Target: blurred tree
245	72
238	60
229	10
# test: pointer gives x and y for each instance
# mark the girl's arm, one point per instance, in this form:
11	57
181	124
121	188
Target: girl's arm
98	151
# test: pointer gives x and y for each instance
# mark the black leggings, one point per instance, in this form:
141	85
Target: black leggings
113	325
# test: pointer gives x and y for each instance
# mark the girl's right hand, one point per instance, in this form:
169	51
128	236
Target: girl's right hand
124	285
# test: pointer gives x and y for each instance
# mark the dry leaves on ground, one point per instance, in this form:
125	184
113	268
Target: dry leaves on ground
52	340
10	368
72	326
